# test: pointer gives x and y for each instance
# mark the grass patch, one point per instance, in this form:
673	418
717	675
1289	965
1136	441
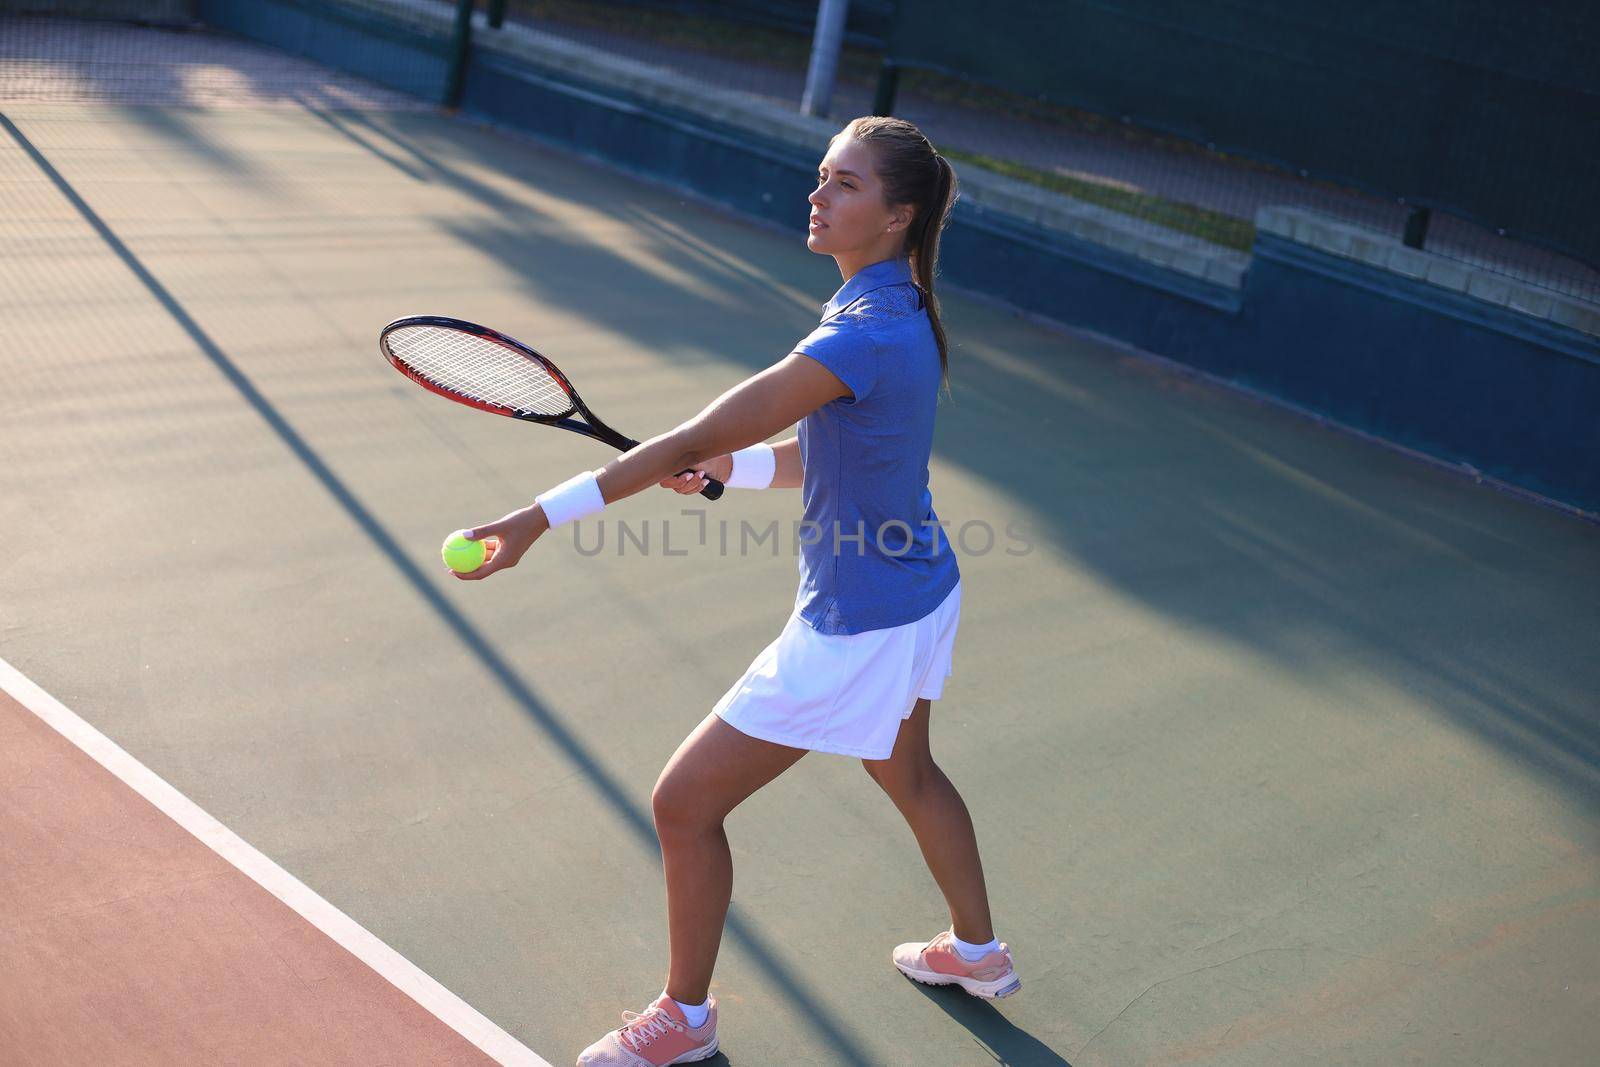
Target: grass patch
1199	222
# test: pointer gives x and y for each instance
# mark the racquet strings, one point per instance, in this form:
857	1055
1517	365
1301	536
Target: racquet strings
479	369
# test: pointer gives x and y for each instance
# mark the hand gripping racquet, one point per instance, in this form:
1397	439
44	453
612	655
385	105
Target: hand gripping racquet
487	370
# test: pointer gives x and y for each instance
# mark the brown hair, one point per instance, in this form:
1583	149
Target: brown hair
912	172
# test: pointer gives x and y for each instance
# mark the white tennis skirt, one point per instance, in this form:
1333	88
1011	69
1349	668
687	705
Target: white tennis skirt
843	693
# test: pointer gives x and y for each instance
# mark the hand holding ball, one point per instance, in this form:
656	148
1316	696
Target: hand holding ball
462	555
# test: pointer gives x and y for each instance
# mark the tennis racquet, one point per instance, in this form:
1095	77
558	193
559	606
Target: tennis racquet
487	370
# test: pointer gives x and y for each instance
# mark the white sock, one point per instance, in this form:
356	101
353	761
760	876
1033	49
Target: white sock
695	1013
973	953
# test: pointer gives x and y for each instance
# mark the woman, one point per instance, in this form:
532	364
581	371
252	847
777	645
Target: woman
869	644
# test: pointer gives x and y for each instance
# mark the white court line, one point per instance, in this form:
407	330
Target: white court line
404	975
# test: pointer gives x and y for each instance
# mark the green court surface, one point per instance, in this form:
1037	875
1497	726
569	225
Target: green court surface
1281	746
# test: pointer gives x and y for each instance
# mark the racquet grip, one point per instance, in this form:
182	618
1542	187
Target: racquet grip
713	489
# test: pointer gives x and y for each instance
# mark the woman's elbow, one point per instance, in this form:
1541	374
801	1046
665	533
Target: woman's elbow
697	443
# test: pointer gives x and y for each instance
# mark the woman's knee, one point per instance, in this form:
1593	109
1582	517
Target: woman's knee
902	778
677	804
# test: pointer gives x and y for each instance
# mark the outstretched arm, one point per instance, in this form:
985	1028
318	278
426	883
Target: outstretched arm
751	411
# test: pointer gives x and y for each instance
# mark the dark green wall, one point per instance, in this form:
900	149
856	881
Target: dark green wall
1487	109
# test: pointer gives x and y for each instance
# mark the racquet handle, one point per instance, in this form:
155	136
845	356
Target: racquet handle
713	489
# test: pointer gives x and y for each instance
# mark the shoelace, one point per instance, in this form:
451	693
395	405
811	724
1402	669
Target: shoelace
648	1026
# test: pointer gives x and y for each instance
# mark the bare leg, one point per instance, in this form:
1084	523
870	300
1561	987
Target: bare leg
939	819
712	772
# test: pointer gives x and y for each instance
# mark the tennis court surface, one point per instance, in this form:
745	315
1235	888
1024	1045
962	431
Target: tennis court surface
1281	746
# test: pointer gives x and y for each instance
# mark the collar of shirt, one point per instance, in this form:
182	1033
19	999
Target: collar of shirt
876	276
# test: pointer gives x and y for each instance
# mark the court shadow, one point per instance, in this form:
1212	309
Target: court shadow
359	126
733	283
1002	1041
339	122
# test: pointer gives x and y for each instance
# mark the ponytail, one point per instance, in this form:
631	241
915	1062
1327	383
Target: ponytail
932	218
913	173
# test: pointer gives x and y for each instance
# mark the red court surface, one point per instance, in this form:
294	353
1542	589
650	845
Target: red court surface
124	938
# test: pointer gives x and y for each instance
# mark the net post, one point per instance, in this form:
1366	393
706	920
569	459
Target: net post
1417	227
460	46
888	87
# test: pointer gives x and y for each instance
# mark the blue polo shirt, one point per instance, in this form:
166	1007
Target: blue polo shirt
872	554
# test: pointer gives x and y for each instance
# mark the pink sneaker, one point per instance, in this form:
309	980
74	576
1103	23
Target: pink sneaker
938	963
658	1036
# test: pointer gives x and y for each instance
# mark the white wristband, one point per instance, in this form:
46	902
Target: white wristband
753	468
572	499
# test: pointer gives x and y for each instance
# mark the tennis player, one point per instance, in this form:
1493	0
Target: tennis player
868	646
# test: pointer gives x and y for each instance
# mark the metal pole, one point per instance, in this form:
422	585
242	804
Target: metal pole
888	87
825	45
460	44
1417	227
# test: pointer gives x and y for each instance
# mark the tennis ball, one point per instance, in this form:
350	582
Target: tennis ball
461	555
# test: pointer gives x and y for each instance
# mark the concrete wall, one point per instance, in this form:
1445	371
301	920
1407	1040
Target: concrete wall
407	54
